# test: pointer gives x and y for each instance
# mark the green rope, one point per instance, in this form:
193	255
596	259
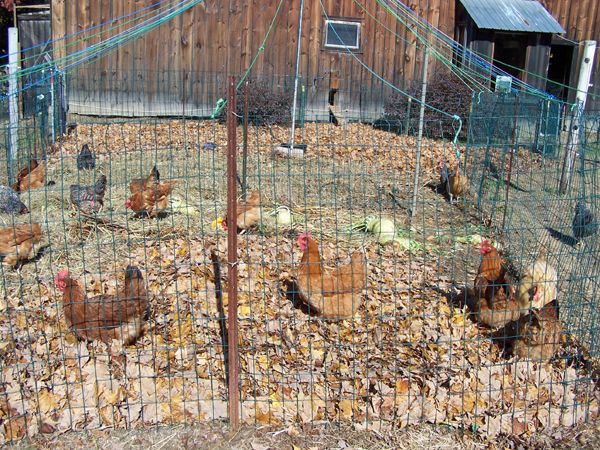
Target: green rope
430	29
383	80
222	102
445	60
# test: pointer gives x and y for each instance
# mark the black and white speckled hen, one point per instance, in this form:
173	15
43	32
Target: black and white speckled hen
89	199
10	202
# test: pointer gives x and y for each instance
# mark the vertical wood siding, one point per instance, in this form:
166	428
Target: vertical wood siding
184	63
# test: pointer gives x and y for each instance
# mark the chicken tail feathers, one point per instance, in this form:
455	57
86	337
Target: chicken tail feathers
444	172
100	185
155	173
134	282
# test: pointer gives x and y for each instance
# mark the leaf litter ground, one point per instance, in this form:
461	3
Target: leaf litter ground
411	355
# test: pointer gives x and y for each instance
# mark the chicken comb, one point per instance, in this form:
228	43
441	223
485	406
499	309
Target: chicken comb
484	245
61	275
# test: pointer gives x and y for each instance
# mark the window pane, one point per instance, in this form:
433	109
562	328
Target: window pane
342	34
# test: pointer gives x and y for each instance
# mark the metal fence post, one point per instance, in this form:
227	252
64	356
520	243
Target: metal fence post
245	154
13	105
413	206
583	84
514	148
232	272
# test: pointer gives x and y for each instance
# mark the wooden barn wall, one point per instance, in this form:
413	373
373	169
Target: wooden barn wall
182	65
581	21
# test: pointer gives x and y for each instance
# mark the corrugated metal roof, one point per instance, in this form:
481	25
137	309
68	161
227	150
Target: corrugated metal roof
512	15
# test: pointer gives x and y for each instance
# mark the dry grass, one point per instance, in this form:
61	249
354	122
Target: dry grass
264	438
215	436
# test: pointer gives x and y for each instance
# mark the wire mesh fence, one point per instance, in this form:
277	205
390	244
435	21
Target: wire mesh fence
394	339
521	197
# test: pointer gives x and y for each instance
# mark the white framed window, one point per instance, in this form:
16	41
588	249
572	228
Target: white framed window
342	34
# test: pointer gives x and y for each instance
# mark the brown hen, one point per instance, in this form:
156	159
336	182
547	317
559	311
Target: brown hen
32	176
18	243
105	317
138	184
249	213
454	180
537	334
331	293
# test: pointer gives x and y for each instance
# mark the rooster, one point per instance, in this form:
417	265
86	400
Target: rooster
494	292
538	285
105	317
150	196
454	181
89	199
18	243
330	293
249	213
537	334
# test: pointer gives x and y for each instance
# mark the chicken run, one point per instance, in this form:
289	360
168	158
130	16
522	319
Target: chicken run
412	352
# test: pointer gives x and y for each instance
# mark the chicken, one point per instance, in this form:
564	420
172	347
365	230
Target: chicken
89	199
18	243
86	160
249	213
330	293
105	317
537	334
444	173
454	181
538	285
10	202
138	184
494	292
32	176
584	222
71	127
150	196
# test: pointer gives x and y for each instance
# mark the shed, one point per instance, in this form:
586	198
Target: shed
515	35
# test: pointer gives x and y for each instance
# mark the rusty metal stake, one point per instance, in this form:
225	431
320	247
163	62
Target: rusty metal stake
232	272
245	149
510	160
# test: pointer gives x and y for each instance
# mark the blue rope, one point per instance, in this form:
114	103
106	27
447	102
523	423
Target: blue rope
97	50
475	59
67	36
